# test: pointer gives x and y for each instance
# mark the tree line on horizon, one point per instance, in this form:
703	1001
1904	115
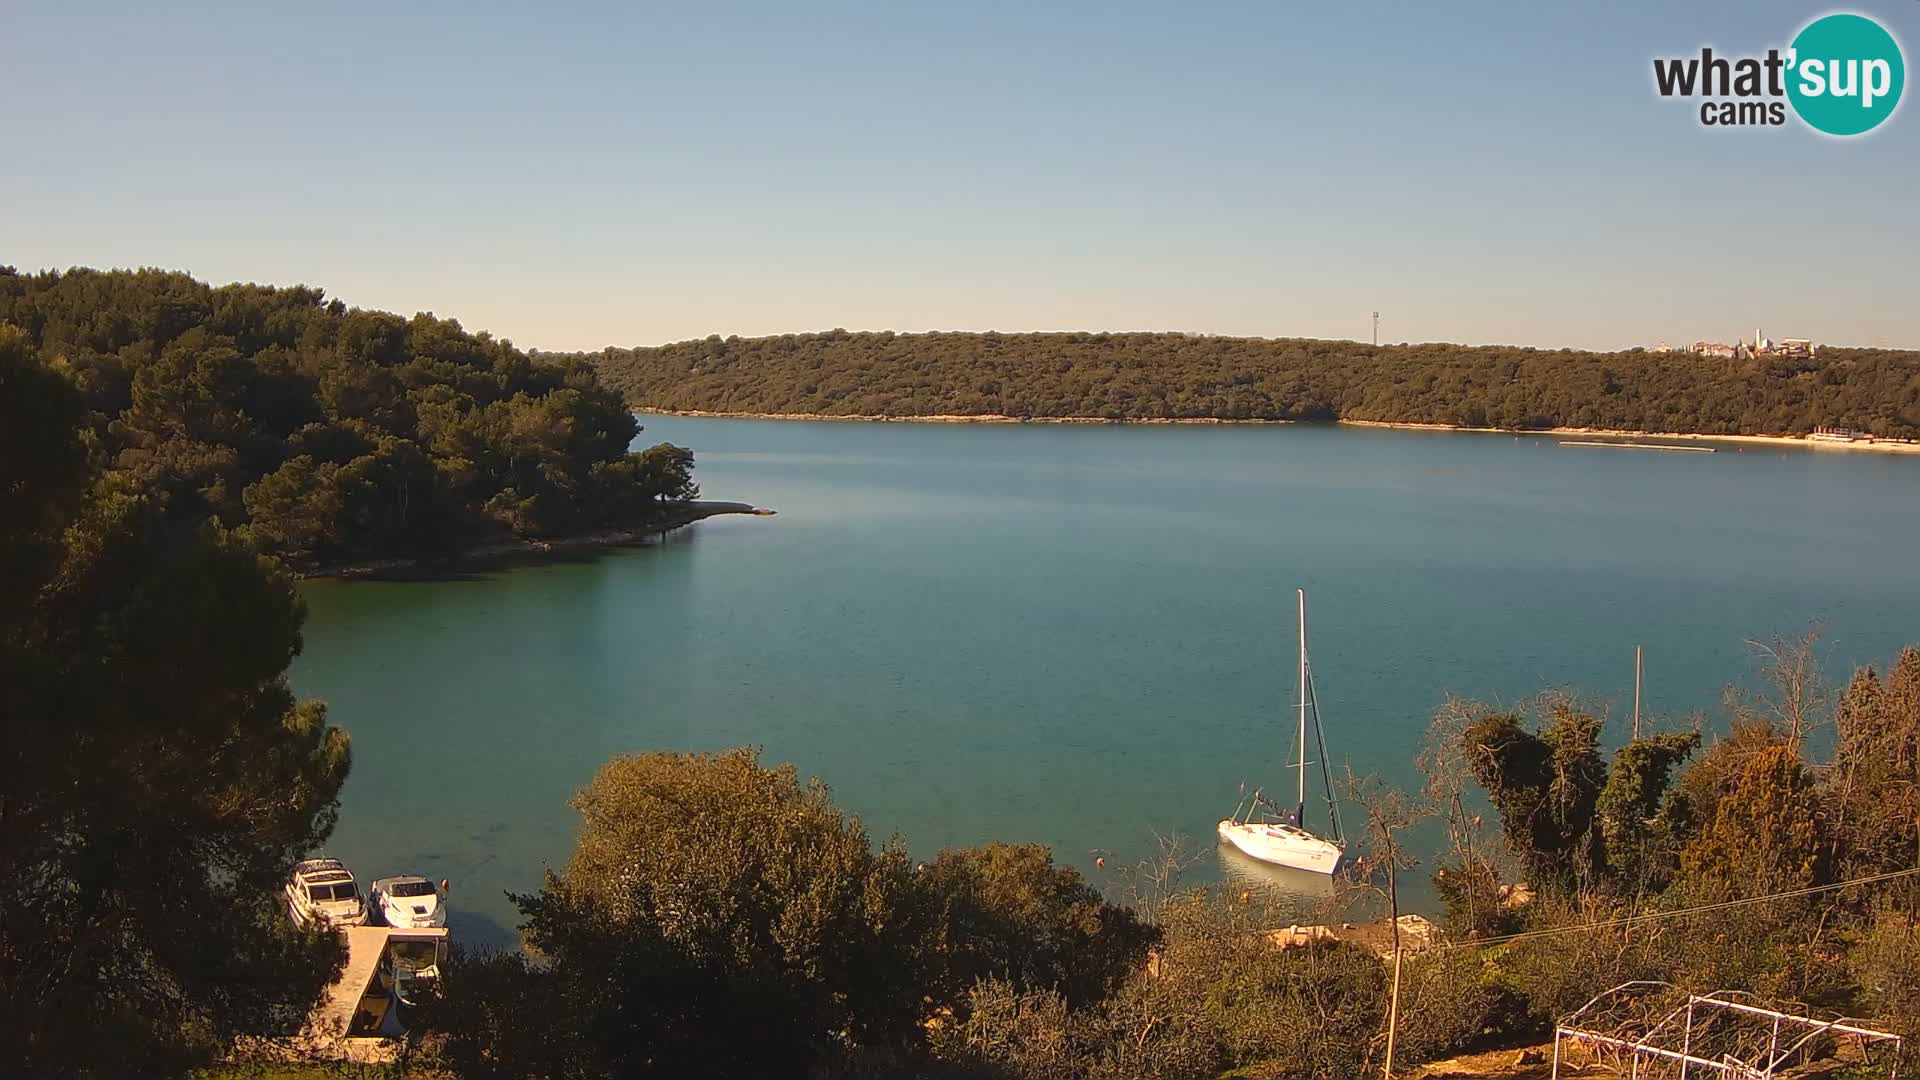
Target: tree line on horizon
1166	376
323	434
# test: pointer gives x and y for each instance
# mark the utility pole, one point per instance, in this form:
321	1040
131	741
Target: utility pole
1376	329
1393	913
1636	691
1911	895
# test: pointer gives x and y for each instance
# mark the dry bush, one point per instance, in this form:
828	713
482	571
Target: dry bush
1456	1001
1221	995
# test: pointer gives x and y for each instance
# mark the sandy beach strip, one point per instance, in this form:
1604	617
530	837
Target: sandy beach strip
1883	446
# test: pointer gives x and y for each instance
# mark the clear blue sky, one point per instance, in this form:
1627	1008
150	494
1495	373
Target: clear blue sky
575	176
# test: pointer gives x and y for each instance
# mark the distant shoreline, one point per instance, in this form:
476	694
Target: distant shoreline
679	517
946	418
1800	441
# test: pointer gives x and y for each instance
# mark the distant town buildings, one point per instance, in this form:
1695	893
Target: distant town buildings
1761	345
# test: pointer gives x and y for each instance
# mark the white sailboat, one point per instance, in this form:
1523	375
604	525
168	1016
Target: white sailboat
1284	842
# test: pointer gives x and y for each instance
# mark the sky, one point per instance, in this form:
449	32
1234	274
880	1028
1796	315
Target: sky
575	176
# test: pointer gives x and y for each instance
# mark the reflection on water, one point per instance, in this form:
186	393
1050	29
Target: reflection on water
1250	873
1288	896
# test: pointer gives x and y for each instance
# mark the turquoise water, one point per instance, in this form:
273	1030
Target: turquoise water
1080	635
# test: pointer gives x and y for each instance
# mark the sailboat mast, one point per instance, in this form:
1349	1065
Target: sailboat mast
1300	813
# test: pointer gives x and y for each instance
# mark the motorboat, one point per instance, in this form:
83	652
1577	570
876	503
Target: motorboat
407	901
322	892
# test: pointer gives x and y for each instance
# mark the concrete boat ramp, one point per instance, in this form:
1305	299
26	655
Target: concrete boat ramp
360	1018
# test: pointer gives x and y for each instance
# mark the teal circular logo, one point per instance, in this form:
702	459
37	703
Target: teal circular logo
1846	73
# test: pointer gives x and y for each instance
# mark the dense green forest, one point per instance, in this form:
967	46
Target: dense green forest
323	433
157	776
1179	376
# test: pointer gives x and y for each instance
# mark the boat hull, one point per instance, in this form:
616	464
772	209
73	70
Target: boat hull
1284	845
1247	873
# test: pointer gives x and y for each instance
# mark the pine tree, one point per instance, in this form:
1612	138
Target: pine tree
1765	835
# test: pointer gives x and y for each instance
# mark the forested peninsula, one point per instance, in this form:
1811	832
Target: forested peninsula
327	435
1168	376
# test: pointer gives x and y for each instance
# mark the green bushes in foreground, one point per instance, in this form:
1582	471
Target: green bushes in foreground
722	918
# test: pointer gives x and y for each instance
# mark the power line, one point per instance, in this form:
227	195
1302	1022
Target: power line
1653	916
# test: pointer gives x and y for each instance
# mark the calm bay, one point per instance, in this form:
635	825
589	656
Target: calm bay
1080	635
